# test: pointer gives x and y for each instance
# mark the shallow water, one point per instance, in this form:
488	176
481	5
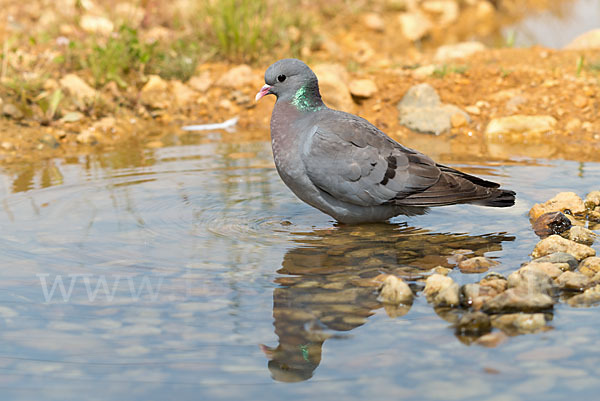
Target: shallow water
192	272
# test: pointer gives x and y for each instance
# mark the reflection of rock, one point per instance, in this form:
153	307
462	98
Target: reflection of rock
327	286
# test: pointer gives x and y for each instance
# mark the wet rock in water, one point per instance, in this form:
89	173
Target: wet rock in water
594	215
374	22
519	323
475	295
556	243
591	296
522	126
559	258
531	280
363	88
590	266
473	323
518	299
581	235
422	110
560	203
551	223
587	40
441	290
478	264
333	84
77	88
458	50
11	111
414	25
573	281
395	291
592	200
551	269
239	77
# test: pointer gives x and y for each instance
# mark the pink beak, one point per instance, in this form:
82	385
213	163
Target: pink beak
263	92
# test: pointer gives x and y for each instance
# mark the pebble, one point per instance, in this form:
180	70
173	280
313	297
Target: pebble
447	11
441	290
551	223
523	125
10	110
581	235
363	88
77	88
239	77
518	299
182	93
478	264
587	40
49	140
589	297
422	110
201	82
414	25
561	202
333	80
424	71
473	110
374	22
592	200
395	291
531	280
458	120
519	323
556	243
573	281
458	50
590	266
96	24
559	258
551	269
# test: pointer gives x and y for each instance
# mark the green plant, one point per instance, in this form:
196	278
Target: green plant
579	65
442	71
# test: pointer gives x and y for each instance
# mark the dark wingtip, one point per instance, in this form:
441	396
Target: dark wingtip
501	198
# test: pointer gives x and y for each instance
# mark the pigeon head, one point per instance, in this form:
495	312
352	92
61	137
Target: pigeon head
292	81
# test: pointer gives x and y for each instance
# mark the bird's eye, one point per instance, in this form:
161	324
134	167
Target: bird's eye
281	78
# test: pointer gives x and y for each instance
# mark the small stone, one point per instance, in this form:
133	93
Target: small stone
11	111
155	93
458	50
96	24
573	281
559	259
556	243
519	323
182	93
441	290
424	71
580	101
414	25
87	137
551	269
71	117
238	77
458	120
395	291
374	22
363	88
551	223
592	200
77	88
446	10
201	82
522	125
478	264
561	202
473	110
587	40
594	215
442	270
581	235
518	299
473	323
531	280
422	110
333	80
7	145
573	124
589	297
50	141
590	266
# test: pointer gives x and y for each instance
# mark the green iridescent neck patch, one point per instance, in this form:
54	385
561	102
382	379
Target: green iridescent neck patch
304	100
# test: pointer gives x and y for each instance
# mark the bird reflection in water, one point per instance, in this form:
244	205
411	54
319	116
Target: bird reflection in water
326	285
